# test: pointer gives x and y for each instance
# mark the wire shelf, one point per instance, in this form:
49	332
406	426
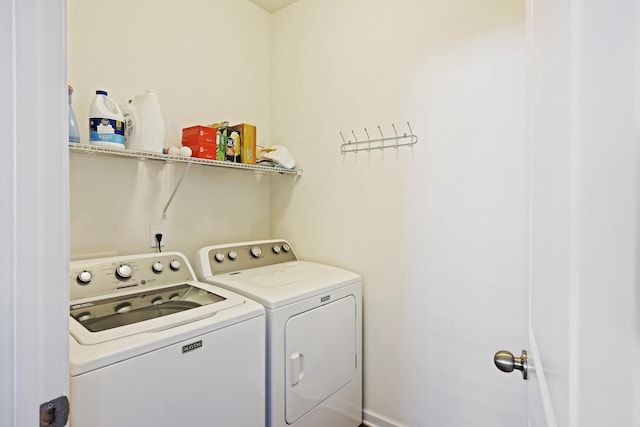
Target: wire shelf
148	155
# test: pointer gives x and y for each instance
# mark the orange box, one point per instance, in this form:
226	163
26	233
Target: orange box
202	150
199	134
247	142
204	142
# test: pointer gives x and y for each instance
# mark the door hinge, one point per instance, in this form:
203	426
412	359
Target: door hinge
55	413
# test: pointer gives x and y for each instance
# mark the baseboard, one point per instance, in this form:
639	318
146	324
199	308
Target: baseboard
371	419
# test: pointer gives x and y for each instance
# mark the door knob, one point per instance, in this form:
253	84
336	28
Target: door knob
507	362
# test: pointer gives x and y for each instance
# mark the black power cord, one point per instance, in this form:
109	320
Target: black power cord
159	239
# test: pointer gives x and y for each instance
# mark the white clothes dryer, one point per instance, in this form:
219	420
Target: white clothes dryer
152	346
314	329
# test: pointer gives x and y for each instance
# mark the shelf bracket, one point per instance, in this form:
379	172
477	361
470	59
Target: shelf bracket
175	190
147	155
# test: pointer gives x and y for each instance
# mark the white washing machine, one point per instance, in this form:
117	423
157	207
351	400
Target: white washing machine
314	329
152	346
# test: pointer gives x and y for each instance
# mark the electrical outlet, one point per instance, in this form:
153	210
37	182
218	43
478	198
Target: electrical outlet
157	229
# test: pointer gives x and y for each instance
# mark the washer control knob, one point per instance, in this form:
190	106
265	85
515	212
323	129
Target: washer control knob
276	249
219	256
175	265
124	271
156	301
286	248
256	252
125	307
85	277
232	255
157	267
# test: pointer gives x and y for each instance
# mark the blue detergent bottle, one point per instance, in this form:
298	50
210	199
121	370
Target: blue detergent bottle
74	133
106	122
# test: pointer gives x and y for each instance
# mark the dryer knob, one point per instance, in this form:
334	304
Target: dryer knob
175	264
286	248
219	256
256	252
157	267
276	249
84	277
124	271
232	255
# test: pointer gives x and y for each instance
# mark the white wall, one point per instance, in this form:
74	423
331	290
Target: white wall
209	61
437	230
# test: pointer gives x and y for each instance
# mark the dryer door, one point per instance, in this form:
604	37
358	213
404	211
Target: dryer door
320	347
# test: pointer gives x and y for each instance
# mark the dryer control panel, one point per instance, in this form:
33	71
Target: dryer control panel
219	259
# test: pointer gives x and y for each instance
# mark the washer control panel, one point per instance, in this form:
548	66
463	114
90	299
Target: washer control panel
105	276
242	256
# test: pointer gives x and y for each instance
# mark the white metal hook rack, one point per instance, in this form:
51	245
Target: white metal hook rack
378	143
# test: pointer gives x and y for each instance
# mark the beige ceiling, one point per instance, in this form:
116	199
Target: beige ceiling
272	5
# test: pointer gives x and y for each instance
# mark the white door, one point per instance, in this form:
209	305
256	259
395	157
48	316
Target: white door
34	252
583	110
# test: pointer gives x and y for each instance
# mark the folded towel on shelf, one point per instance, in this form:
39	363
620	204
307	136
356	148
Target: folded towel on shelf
277	155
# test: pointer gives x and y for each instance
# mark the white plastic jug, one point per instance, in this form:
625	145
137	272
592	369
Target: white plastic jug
144	123
106	122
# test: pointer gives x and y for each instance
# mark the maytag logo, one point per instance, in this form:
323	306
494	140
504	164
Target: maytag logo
83	305
193	346
325	298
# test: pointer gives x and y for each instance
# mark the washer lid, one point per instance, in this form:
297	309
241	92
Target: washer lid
121	310
280	284
97	320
